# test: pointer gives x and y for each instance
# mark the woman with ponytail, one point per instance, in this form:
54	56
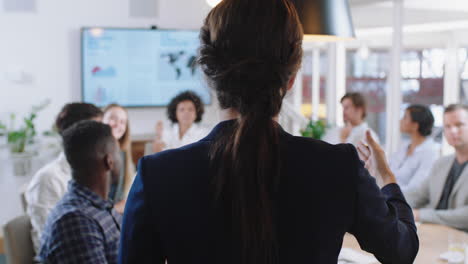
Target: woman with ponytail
250	193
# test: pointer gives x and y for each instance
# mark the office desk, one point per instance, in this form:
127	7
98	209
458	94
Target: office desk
433	241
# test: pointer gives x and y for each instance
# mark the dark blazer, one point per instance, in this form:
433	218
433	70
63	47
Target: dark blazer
325	192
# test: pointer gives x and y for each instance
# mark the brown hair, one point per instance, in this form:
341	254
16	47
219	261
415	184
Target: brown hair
358	101
74	112
250	50
455	107
125	144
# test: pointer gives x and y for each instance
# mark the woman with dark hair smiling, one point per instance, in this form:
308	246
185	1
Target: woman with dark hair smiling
250	192
185	111
414	159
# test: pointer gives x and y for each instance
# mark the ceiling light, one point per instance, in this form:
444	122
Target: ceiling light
213	3
325	20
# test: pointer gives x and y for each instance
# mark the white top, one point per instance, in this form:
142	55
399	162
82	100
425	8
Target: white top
46	188
357	134
411	171
172	140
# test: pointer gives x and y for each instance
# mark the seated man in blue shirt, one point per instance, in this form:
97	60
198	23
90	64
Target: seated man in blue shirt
84	227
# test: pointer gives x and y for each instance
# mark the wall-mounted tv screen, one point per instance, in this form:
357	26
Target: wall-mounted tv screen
139	67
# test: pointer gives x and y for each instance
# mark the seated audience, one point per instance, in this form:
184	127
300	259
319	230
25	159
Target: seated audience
83	227
49	184
117	118
443	197
184	111
414	159
354	114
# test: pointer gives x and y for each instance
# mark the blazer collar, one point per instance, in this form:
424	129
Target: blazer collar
225	124
461	179
444	171
439	181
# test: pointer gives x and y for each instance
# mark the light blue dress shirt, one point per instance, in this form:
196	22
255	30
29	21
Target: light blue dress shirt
412	170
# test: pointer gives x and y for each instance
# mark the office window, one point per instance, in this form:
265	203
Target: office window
463	62
306	107
423	83
368	75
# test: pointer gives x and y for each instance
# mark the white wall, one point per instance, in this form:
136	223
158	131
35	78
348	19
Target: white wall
46	45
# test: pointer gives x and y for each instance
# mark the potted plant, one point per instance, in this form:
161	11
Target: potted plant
3	140
314	129
20	140
3	133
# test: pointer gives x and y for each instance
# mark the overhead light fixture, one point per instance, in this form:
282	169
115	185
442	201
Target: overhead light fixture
325	20
213	3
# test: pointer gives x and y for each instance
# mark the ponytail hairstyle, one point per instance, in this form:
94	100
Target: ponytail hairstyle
250	50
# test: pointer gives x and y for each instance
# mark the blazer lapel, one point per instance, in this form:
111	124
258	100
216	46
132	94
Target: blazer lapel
439	182
459	183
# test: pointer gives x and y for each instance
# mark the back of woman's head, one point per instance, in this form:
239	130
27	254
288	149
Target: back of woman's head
422	115
250	51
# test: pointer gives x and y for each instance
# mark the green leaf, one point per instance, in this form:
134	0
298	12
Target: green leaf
19	138
314	129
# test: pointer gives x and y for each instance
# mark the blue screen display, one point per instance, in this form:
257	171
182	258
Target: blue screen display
139	67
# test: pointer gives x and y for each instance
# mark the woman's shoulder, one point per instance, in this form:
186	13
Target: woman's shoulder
329	162
320	148
431	144
183	154
175	165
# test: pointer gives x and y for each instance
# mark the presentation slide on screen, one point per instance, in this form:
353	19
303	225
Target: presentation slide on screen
138	68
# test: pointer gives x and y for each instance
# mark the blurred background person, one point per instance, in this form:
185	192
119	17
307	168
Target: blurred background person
413	161
354	115
443	197
49	184
117	118
184	111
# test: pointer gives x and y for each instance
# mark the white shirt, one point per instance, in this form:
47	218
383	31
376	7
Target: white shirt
411	171
357	134
46	188
172	139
